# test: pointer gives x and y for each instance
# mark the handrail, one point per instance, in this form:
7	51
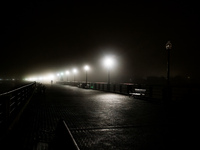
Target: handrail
16	89
12	104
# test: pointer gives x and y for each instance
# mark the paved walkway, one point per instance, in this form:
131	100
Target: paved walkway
100	121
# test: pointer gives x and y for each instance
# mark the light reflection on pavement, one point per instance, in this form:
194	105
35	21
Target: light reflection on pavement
101	120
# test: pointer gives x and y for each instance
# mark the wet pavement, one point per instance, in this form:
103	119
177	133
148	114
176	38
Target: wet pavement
101	120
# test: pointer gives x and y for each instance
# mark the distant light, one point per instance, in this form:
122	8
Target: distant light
32	79
61	73
58	74
86	67
74	70
67	72
51	77
108	62
168	45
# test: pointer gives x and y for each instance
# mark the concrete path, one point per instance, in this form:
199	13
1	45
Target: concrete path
100	121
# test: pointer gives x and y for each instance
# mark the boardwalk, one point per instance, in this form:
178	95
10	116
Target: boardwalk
98	120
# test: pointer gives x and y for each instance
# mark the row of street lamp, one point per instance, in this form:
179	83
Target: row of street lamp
86	68
108	62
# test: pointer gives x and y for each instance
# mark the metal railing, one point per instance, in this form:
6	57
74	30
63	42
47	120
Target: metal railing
11	105
159	93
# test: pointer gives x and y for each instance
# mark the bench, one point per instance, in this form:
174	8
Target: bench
137	93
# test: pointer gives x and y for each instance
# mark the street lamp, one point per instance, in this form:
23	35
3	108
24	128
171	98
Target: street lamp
67	73
168	48
58	76
61	78
108	62
74	71
86	69
168	89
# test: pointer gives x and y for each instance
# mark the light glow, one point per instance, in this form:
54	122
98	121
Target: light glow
74	70
46	78
67	72
108	62
86	68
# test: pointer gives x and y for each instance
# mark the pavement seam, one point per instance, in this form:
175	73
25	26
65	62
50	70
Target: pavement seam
119	127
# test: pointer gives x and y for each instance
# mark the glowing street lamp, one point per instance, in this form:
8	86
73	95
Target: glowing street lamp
86	69
58	75
61	76
108	62
74	71
67	73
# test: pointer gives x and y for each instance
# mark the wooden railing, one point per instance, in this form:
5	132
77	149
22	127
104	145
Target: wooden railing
11	105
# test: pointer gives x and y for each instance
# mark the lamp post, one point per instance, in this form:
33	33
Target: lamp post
108	62
74	71
168	48
61	78
58	75
67	73
86	69
168	89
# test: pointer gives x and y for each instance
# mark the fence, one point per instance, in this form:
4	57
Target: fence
160	93
11	105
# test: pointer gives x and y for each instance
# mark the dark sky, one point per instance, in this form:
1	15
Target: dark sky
51	36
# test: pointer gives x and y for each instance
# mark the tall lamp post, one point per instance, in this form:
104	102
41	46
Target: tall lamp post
58	76
168	89
61	77
67	73
86	69
74	71
108	62
168	48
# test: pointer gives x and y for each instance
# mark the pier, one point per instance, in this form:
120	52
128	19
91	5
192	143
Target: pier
67	116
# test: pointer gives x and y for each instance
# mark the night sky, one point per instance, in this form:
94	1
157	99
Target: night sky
52	36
